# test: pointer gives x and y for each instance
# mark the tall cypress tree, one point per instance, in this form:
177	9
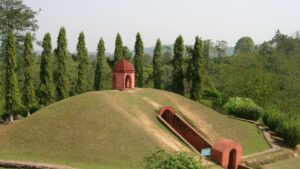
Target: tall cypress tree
118	48
177	62
29	98
198	70
206	47
12	95
157	65
82	56
139	60
62	82
100	67
46	92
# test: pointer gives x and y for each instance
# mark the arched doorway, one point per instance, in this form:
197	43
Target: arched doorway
232	159
114	82
128	81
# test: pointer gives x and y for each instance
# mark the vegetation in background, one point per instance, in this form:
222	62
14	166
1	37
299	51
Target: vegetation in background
177	62
157	65
46	88
29	98
82	56
17	18
139	61
61	79
244	45
118	54
244	108
159	159
13	103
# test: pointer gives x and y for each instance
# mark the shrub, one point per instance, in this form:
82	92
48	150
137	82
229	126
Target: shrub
217	100
273	118
159	159
290	131
243	108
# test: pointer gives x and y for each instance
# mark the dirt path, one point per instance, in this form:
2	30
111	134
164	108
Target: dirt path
31	165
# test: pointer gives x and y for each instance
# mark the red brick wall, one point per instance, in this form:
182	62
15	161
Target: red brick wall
185	130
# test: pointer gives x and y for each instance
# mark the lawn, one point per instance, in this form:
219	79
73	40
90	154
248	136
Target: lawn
293	163
115	129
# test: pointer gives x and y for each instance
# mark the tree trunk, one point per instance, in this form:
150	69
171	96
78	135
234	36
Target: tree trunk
11	118
28	113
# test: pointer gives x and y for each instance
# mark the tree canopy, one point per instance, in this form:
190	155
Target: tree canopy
244	45
16	17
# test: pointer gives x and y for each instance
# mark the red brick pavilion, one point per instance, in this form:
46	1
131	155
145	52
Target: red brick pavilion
123	75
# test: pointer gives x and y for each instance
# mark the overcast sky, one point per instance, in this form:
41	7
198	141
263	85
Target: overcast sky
210	19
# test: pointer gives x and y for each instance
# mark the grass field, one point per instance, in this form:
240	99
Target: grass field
292	163
114	129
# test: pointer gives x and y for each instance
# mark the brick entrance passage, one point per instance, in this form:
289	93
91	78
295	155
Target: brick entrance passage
183	129
225	152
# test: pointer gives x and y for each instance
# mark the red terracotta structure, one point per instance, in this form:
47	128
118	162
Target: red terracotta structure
182	129
123	75
227	153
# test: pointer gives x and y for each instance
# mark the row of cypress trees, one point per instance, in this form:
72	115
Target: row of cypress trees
50	90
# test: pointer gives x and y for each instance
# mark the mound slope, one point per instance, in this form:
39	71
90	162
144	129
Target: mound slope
114	129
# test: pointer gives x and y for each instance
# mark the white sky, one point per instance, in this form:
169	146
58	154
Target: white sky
210	19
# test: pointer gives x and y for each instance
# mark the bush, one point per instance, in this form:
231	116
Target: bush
159	159
217	100
290	131
273	118
243	108
287	126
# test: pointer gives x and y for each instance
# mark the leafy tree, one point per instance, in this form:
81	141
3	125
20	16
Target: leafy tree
46	92
177	62
29	98
244	45
221	47
102	72
118	48
17	18
82	55
198	70
139	60
12	94
62	82
157	65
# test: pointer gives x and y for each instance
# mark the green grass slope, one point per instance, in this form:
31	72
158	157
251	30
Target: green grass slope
114	129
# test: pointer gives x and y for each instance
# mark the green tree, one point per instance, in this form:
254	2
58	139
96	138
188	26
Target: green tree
102	72
29	98
118	48
12	94
197	70
206	49
139	60
17	18
157	65
82	55
62	82
177	62
46	92
244	45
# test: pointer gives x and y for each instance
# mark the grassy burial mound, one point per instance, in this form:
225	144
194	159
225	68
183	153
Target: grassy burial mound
115	129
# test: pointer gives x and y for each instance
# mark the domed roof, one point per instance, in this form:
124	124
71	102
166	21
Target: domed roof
123	66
